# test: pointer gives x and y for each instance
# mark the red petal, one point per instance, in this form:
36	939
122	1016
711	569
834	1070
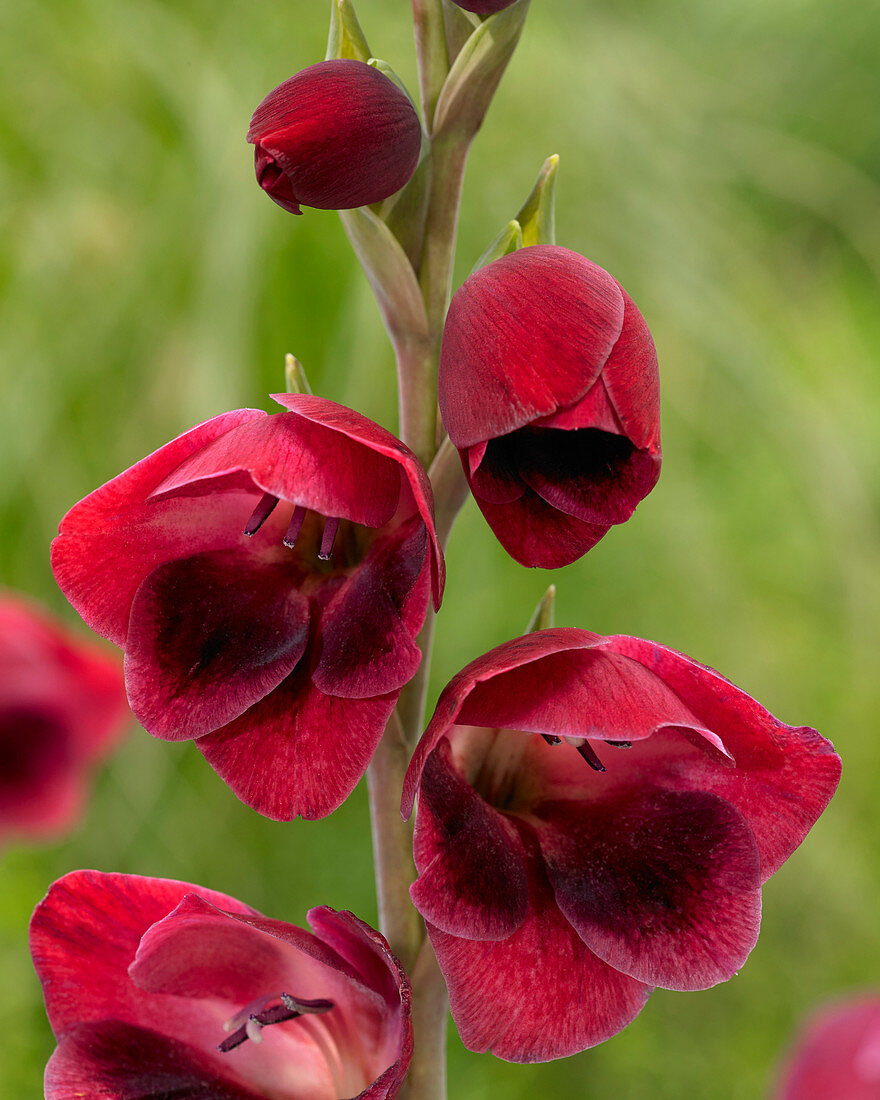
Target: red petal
112	539
593	475
372	435
784	776
368	952
115	1061
662	886
526	335
540	993
85	934
298	751
472	874
536	534
209	636
367	639
304	462
632	380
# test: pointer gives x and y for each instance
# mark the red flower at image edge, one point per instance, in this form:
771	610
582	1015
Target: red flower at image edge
837	1056
62	706
266	576
596	817
337	135
160	988
549	390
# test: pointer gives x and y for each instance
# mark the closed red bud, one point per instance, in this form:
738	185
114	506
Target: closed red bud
337	135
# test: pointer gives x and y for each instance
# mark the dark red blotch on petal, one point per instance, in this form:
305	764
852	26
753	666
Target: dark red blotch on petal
337	135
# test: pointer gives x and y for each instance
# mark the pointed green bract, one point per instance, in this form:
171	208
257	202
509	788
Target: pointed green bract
538	214
545	613
295	376
475	73
346	41
508	240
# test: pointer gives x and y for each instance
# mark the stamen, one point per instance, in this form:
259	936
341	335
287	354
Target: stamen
249	1023
327	539
260	514
296	522
589	754
551	739
620	744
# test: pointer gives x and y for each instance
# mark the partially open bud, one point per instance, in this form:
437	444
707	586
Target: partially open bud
337	135
549	390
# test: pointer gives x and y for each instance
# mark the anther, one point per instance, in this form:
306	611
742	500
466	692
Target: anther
551	739
327	539
620	744
260	514
296	522
249	1023
589	754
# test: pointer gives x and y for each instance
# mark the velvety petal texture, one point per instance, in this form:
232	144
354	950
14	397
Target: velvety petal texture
337	135
267	577
596	816
549	389
156	988
837	1054
62	707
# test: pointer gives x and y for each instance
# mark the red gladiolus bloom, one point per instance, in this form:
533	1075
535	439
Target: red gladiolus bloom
596	817
159	988
838	1055
337	135
266	576
549	390
62	705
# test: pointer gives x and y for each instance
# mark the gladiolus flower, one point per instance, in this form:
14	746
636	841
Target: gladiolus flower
837	1057
266	577
62	705
337	135
549	390
160	988
596	817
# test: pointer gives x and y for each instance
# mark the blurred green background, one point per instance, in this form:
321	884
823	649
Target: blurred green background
722	160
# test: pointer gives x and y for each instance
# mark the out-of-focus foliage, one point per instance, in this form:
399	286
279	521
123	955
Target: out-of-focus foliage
722	161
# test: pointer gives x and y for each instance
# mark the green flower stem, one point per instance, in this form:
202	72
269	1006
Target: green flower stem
392	845
427	1076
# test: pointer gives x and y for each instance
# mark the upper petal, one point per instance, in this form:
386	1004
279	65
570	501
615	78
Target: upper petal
110	540
662	885
360	428
632	380
209	636
784	776
524	336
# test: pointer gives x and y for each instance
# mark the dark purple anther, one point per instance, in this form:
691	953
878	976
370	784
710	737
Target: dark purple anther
327	539
589	754
248	1023
551	739
620	744
260	514
296	522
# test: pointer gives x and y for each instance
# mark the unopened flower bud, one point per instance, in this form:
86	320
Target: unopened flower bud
337	135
